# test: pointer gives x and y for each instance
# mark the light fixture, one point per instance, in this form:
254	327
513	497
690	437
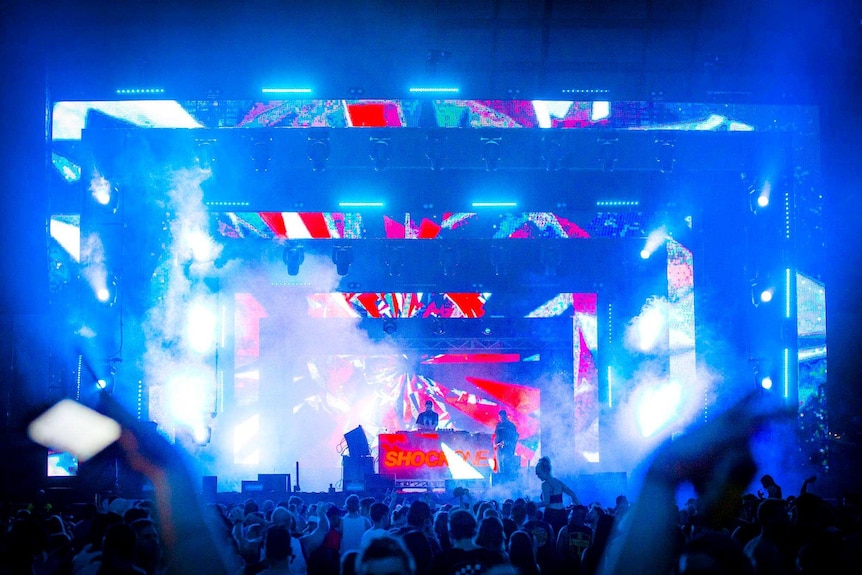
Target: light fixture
261	154
342	257
390	325
550	257
205	156
318	151
449	259
608	154
552	153
379	153
665	157
395	260
293	257
434	150
491	153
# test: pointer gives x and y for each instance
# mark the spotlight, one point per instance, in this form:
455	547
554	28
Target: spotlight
766	295
342	257
766	383
104	193
552	153
491	153
550	258
608	154
395	260
665	156
434	150
318	151
390	326
645	254
450	259
499	259
261	154
205	156
107	292
293	257
379	153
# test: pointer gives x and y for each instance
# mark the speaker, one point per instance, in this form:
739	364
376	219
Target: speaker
275	482
355	470
209	488
357	442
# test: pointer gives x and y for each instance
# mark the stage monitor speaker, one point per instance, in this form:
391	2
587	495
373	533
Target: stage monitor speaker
379	482
275	482
252	487
209	488
357	442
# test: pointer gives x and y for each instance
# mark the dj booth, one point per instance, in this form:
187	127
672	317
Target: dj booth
421	455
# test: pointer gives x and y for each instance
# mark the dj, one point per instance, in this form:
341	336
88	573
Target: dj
427	420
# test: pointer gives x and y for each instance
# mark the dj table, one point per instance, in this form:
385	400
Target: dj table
412	455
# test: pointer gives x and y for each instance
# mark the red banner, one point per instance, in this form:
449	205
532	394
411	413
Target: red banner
417	455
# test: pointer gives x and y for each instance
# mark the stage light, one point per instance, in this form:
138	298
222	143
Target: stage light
205	156
494	204
201	434
70	171
140	91
608	154
458	466
67	232
434	90
293	257
665	156
104	193
491	153
390	325
550	257
658	406
261	154
286	90
201	327
434	148
318	152
766	383
202	246
499	260
379	153
450	259
766	295
395	260
342	257
552	153
645	254
650	327
654	241
106	293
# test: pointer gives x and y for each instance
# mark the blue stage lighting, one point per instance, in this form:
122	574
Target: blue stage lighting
438	90
286	90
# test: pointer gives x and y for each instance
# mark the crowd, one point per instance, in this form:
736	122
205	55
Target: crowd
727	528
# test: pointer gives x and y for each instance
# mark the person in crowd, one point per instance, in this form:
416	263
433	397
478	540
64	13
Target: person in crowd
522	555
278	550
353	525
593	554
385	555
543	534
428	419
771	489
465	556
326	559
552	495
491	535
441	529
573	539
379	523
419	536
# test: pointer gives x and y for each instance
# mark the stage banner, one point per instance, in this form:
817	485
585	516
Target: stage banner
436	455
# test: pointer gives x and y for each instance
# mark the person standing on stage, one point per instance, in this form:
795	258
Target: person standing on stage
552	495
505	441
428	419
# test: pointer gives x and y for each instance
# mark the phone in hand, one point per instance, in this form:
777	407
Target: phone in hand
74	427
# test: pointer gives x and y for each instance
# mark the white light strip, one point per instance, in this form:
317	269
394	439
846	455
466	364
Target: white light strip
610	388
494	204
286	90
787	293
360	204
786	372
433	90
